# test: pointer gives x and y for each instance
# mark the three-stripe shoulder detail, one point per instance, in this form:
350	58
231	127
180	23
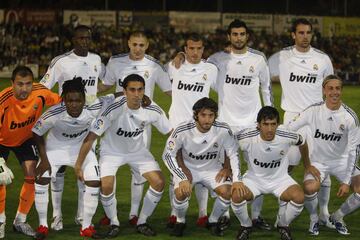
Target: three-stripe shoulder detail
154	108
352	114
155	61
247	134
53	62
55	111
287	134
113	106
181	128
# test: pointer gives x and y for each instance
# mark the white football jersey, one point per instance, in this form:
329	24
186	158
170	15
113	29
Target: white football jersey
239	80
124	127
334	134
69	65
65	131
201	151
190	83
120	66
301	76
267	159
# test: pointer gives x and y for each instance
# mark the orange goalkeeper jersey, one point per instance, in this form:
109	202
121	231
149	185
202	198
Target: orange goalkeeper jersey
17	117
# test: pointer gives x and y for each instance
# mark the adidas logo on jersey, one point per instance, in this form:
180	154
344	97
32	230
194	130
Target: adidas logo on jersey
310	78
75	135
238	81
197	87
272	164
89	82
327	137
204	142
330	119
14	125
303	61
121	132
207	156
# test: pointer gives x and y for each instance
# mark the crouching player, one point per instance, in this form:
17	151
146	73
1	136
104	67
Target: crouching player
201	141
67	124
123	124
265	148
335	132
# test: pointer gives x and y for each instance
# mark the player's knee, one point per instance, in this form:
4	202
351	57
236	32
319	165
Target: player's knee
355	184
157	182
311	187
42	181
93	184
237	198
298	197
224	192
107	189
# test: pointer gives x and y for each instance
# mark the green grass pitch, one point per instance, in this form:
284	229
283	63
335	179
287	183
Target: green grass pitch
351	96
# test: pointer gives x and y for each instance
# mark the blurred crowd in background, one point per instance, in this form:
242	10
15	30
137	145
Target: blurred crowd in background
38	44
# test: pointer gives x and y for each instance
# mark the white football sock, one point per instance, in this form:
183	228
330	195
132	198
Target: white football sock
181	208
202	196
311	204
151	200
57	189
256	206
90	203
241	212
42	202
109	204
136	196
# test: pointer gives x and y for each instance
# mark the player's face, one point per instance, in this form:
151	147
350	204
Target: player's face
134	93
82	41
194	51
268	129
238	38
138	47
302	36
205	119
332	92
22	87
74	102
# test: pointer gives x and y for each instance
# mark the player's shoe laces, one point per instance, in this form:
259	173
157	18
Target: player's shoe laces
339	226
78	220
178	230
284	233
104	221
314	228
24	228
215	229
89	232
171	221
202	221
133	220
41	232
326	223
57	223
145	229
260	223
113	231
2	229
243	233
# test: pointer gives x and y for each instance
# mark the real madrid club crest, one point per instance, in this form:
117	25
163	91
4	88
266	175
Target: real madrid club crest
282	153
204	77
146	74
171	145
95	68
342	127
251	69
142	125
216	145
315	67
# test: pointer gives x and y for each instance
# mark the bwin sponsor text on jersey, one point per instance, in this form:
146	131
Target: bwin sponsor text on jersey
245	80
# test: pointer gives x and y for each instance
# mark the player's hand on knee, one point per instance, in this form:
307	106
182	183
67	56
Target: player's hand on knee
239	188
79	172
223	174
185	188
178	60
313	171
343	190
6	175
146	101
42	168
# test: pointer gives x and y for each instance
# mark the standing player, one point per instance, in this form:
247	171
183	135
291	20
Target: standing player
201	142
123	124
242	73
265	148
137	62
334	129
20	106
79	62
67	124
191	82
301	70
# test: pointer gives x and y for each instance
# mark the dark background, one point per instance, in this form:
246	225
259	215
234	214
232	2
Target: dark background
306	7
